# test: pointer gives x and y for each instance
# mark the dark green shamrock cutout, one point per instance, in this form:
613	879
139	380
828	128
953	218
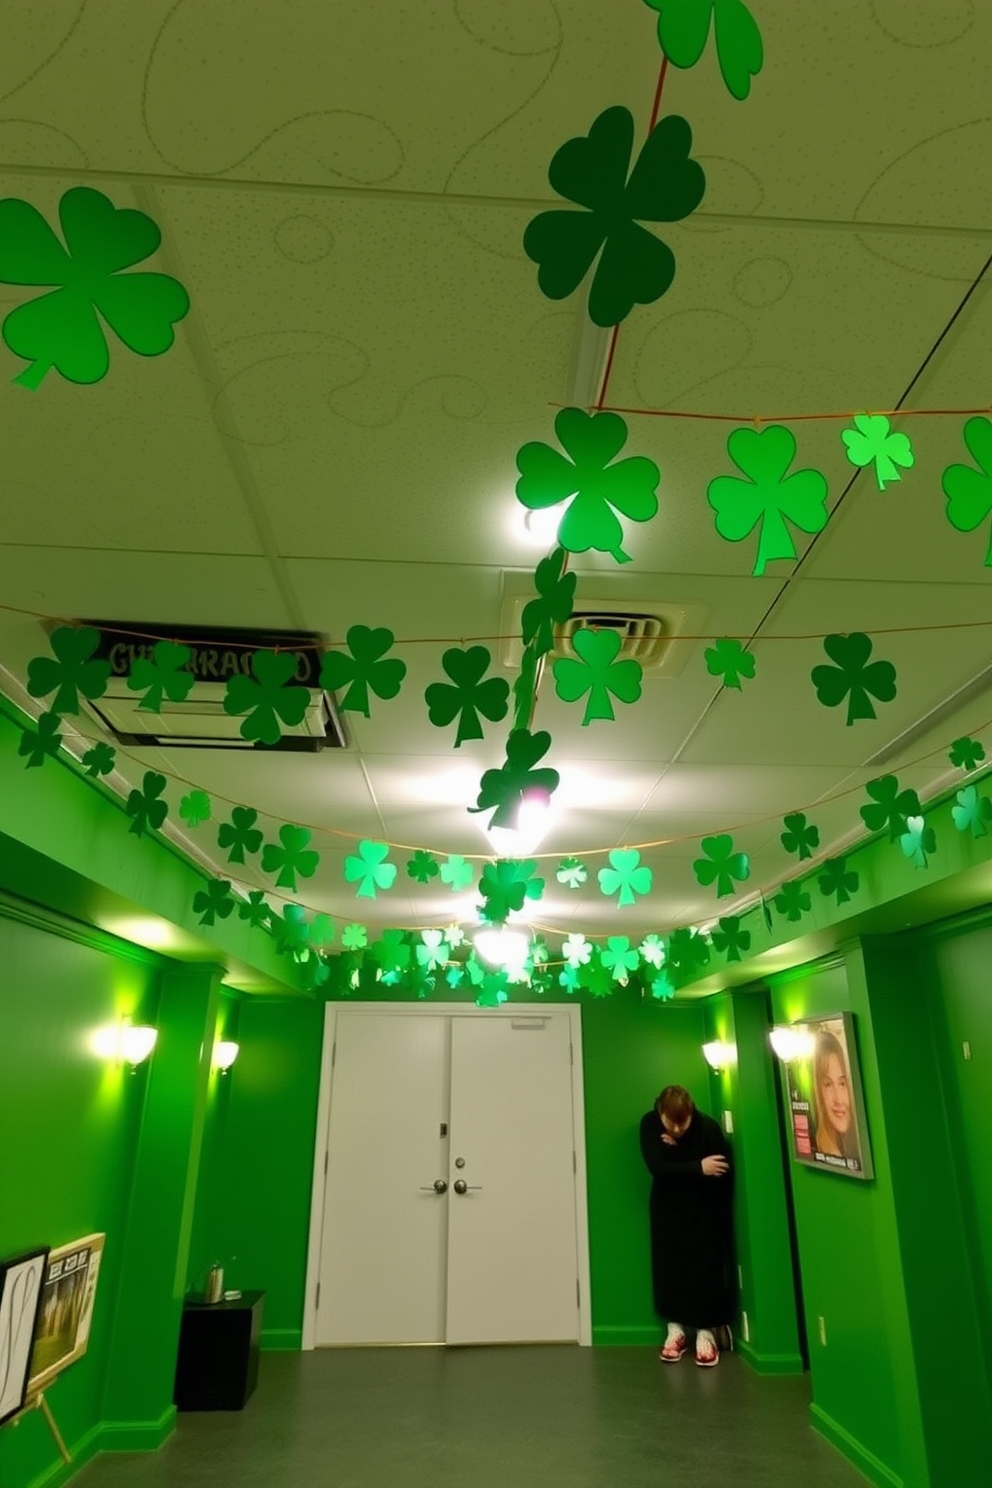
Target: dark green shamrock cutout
516	778
799	835
100	760
370	870
255	909
554	602
240	835
73	672
321	930
164	676
292	931
889	806
792	900
966	753
598	673
768	496
214	900
195	808
363	669
684	27
315	972
505	885
836	879
267	697
688	951
592	480
392	952
423	866
852	677
721	864
969	491
665	185
290	856
62	329
872	442
729	659
525	686
41	742
972	811
595	978
469	696
144	804
626	876
918	841
730	938
493	991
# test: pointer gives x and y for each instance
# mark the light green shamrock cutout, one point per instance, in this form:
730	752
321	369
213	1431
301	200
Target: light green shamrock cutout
837	880
972	811
354	937
619	957
195	807
730	938
572	873
768	496
240	835
594	483
164	676
799	836
598	673
568	978
100	760
457	872
966	753
370	870
144	804
792	900
626	876
918	841
873	442
553	605
214	900
721	864
454	935
684	27
852	677
576	951
42	742
268	697
969	491
889	807
422	866
663	987
652	950
665	185
432	953
728	659
454	976
516	778
363	669
62	329
72	672
469	696
289	857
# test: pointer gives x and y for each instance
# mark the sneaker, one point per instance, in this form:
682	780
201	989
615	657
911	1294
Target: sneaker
673	1349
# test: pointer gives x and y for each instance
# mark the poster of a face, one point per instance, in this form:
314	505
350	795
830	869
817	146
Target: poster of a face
826	1106
66	1312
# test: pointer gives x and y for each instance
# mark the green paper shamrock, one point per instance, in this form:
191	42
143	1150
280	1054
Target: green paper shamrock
370	870
729	659
721	864
852	677
972	811
214	900
292	931
768	496
392	950
966	753
731	938
872	442
364	669
267	697
619	957
255	909
684	28
554	602
289	857
454	976
354	937
457	872
525	686
799	836
61	329
240	834
969	491
476	971
454	935
839	880
598	673
652	950
889	806
516	778
792	900
627	875
321	930
423	866
576	951
432	953
594	483
493	989
665	185
688	951
144	804
100	760
470	696
41	742
539	952
505	885
195	808
315	972
73	672
568	978
163	676
572	873
663	988
918	841
595	978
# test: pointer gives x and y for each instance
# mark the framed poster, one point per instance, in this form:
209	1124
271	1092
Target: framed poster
20	1298
825	1099
66	1312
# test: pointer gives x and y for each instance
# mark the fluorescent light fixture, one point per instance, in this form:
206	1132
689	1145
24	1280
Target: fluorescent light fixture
505	948
136	1043
225	1053
791	1043
533	821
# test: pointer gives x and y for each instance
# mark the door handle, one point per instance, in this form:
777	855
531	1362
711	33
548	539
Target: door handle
461	1187
438	1186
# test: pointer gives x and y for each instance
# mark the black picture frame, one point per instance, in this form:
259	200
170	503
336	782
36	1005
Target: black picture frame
21	1280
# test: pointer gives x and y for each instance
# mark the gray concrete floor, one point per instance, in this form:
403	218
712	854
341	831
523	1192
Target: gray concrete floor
545	1417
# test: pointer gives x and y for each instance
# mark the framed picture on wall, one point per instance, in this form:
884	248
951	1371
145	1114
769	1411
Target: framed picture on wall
67	1296
20	1298
825	1099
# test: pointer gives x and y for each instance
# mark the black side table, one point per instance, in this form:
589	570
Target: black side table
217	1367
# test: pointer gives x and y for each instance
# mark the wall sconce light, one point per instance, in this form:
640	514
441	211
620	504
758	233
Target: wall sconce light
225	1053
136	1043
718	1055
791	1043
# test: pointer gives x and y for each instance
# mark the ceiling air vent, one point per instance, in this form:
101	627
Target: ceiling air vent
199	721
649	629
644	638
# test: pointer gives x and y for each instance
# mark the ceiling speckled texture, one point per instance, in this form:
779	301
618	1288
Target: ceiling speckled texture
343	189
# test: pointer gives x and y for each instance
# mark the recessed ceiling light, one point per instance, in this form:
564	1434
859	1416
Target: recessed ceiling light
539	529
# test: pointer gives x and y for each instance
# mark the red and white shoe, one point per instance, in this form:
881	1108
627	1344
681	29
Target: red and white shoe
673	1349
707	1353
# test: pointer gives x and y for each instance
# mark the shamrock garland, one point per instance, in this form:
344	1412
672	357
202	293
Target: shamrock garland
684	28
598	673
768	498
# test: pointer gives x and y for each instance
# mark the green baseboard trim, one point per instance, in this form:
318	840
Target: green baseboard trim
768	1363
849	1446
137	1436
59	1472
642	1337
281	1340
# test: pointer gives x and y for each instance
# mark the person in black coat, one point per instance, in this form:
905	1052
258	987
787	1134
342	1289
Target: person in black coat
688	1158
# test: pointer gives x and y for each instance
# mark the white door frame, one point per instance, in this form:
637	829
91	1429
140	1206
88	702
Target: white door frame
425	1008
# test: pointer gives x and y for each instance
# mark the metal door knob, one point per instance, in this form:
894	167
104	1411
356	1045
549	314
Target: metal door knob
461	1187
438	1186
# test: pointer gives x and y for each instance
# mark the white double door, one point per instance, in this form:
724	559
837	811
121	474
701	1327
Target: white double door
450	1211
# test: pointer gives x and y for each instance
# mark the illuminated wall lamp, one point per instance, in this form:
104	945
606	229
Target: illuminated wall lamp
718	1055
225	1053
137	1041
791	1043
